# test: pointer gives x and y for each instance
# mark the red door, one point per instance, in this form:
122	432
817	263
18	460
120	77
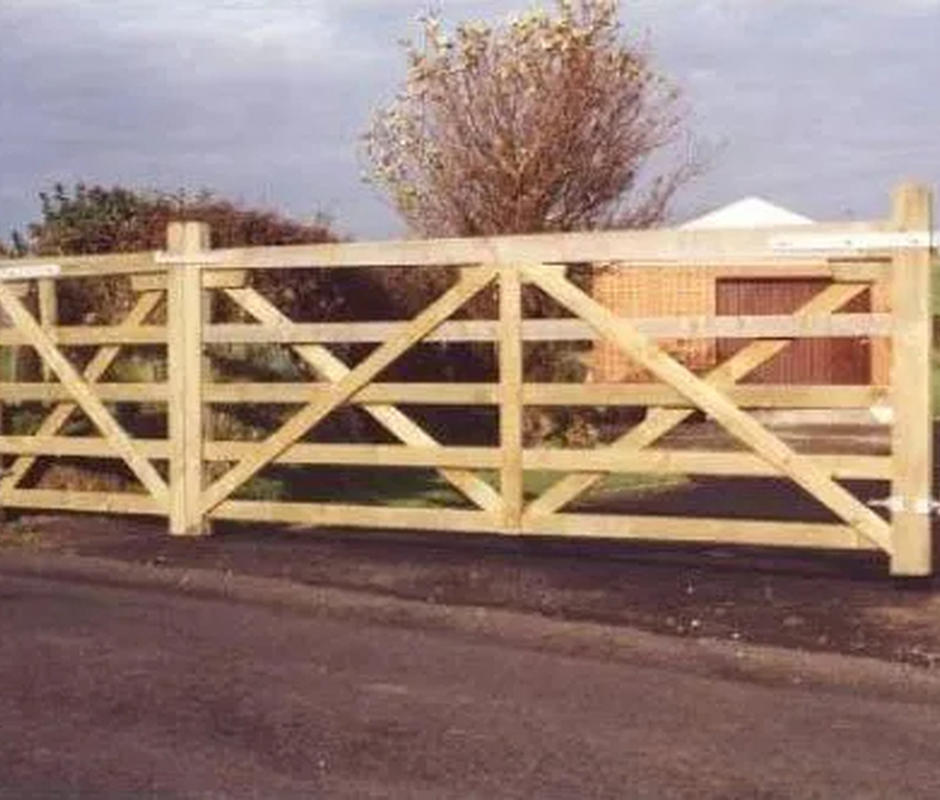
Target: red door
805	361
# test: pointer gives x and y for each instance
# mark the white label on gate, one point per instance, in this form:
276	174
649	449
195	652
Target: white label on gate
883	414
29	271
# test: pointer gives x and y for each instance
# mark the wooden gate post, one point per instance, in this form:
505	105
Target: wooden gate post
9	371
48	315
186	240
510	397
5	375
912	440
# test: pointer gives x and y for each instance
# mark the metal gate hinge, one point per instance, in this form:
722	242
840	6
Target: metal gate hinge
896	505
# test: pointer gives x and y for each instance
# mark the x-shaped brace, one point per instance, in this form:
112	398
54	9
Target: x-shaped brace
707	395
471	282
82	392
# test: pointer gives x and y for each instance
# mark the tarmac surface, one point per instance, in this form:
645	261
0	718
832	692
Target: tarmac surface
274	662
807	600
117	692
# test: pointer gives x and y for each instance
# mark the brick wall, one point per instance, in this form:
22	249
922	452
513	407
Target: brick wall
636	292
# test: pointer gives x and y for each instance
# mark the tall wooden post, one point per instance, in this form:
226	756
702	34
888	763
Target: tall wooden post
187	240
912	441
510	396
5	375
9	371
48	315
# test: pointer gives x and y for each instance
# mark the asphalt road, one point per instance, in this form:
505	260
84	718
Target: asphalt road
114	693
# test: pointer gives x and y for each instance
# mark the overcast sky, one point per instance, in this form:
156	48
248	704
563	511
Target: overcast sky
820	106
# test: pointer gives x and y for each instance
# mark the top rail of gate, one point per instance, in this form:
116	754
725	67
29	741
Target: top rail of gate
817	250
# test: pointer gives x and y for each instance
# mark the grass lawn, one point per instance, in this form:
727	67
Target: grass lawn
6	364
420	488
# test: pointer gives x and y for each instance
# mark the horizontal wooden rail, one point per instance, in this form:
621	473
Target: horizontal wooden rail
745	395
77	447
667	462
336	515
698	462
654	247
534	394
658	461
91	335
93	502
731	253
763	533
689	529
92	266
13	393
852	269
657	246
533	330
776	326
225	271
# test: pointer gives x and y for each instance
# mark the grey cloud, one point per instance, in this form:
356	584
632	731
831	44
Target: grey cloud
821	105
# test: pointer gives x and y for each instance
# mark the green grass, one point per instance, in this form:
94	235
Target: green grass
420	488
16	534
6	364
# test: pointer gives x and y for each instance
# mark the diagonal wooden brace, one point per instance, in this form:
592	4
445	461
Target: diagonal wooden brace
659	421
471	282
391	418
98	366
84	396
709	398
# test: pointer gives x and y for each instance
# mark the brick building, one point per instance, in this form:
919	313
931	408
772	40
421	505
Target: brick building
635	292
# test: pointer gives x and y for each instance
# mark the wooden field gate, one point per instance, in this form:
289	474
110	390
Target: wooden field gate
887	259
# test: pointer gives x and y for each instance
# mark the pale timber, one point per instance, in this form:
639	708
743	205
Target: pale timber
468	394
912	434
185	377
48	313
558	330
510	398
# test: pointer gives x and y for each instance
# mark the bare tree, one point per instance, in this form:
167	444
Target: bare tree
548	123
